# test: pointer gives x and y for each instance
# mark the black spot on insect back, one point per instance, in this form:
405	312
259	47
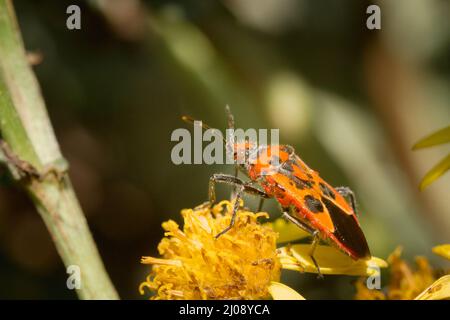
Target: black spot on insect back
313	204
287	165
298	183
301	184
326	190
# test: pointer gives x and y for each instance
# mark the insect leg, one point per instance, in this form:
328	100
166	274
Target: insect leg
220	178
262	198
314	243
228	179
348	193
315	234
236	172
260	205
241	188
288	215
235	209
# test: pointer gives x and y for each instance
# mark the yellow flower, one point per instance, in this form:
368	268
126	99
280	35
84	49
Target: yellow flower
364	293
241	264
287	231
329	259
440	289
443	251
404	284
280	291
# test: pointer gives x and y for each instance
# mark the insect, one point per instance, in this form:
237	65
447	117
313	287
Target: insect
306	199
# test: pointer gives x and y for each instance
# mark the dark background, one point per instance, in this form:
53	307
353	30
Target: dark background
350	100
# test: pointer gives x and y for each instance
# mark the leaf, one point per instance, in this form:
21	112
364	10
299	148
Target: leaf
439	290
438	170
329	259
439	137
287	231
280	291
443	251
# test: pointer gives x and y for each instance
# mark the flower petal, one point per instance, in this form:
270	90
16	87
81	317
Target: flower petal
439	137
287	231
439	290
443	251
329	259
438	170
280	291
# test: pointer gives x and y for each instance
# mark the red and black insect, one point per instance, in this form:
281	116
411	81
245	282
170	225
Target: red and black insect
308	201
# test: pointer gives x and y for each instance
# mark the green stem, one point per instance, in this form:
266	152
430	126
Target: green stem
27	130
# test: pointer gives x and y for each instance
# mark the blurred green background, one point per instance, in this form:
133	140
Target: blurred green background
351	101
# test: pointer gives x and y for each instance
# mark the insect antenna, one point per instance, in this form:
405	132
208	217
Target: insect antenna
229	145
230	117
189	119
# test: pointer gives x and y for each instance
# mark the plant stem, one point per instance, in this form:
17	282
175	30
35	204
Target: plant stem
27	131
